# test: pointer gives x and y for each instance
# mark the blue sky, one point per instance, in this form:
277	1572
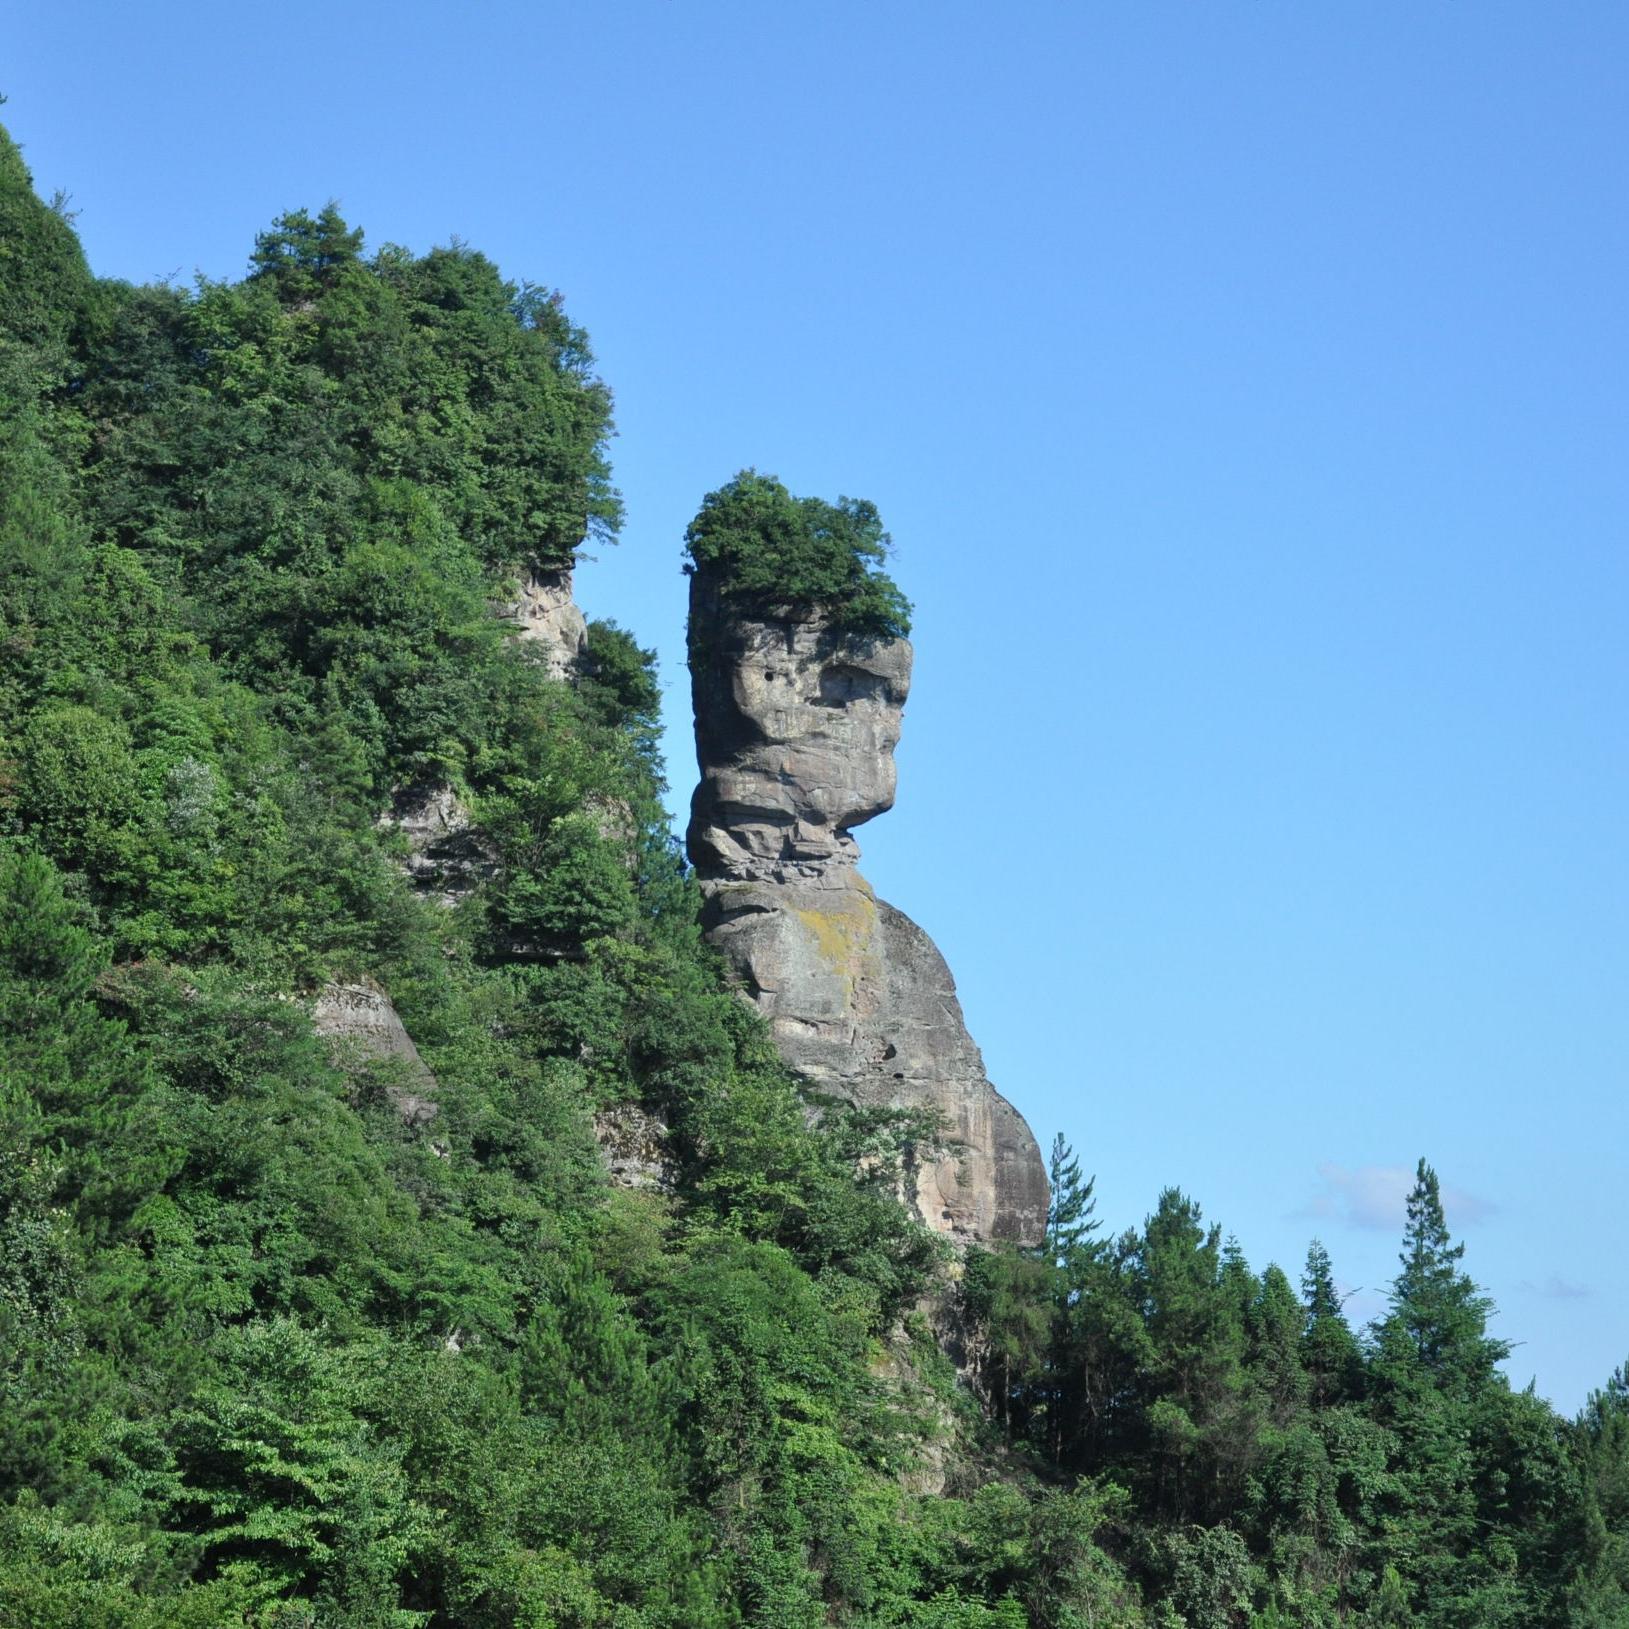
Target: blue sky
1246	388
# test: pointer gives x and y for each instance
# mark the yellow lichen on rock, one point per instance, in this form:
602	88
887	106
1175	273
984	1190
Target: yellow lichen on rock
845	937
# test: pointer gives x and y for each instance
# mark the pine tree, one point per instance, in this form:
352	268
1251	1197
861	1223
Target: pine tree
1273	1323
1438	1390
1193	1380
1438	1315
303	253
1069	1218
1597	1547
1329	1349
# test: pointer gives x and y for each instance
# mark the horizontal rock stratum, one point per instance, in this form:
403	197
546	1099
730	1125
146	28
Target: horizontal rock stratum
796	725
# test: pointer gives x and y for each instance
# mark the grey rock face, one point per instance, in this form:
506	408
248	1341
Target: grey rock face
635	1146
359	1021
795	732
446	857
547	614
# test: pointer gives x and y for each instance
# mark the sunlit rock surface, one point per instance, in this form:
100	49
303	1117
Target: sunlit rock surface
546	614
796	727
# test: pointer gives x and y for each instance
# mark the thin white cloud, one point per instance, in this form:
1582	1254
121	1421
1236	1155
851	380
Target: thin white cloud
1376	1196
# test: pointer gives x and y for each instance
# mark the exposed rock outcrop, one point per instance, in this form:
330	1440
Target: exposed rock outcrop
546	613
360	1022
796	726
446	856
636	1146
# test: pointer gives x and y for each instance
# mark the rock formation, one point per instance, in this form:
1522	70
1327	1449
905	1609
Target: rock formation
796	727
636	1146
447	858
361	1023
546	613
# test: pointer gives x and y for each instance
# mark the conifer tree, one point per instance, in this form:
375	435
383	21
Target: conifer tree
1329	1349
302	253
1597	1546
1273	1323
1069	1218
1434	1364
1438	1315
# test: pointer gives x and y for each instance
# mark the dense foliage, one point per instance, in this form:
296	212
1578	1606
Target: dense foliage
274	1354
767	551
1279	1467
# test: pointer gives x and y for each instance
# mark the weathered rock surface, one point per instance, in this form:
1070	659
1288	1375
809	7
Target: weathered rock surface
446	856
795	733
546	612
359	1020
636	1147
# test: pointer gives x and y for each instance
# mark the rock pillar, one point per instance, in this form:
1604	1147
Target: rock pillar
796	725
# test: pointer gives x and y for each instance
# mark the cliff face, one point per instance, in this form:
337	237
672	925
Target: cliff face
546	613
796	727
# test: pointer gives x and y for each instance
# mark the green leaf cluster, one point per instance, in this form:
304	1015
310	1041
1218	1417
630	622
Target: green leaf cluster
768	553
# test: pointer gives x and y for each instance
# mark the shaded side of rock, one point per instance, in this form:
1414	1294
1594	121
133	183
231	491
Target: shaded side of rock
447	858
361	1024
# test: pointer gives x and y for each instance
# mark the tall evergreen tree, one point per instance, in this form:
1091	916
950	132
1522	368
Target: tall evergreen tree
1329	1349
1596	1549
1070	1221
1195	1381
1435	1368
1438	1315
1273	1321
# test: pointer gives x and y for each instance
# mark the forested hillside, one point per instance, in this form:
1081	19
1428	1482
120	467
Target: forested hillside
274	1352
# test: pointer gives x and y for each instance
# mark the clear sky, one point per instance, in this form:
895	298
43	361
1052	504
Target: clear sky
1246	387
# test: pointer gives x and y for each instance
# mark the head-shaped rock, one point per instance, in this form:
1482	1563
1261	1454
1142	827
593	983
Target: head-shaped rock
796	725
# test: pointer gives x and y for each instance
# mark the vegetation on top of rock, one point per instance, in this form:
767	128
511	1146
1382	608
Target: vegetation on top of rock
767	551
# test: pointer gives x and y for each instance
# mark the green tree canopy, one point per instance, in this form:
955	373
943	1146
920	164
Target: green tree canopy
767	550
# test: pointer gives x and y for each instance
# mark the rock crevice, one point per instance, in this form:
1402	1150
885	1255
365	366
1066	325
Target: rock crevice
796	726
